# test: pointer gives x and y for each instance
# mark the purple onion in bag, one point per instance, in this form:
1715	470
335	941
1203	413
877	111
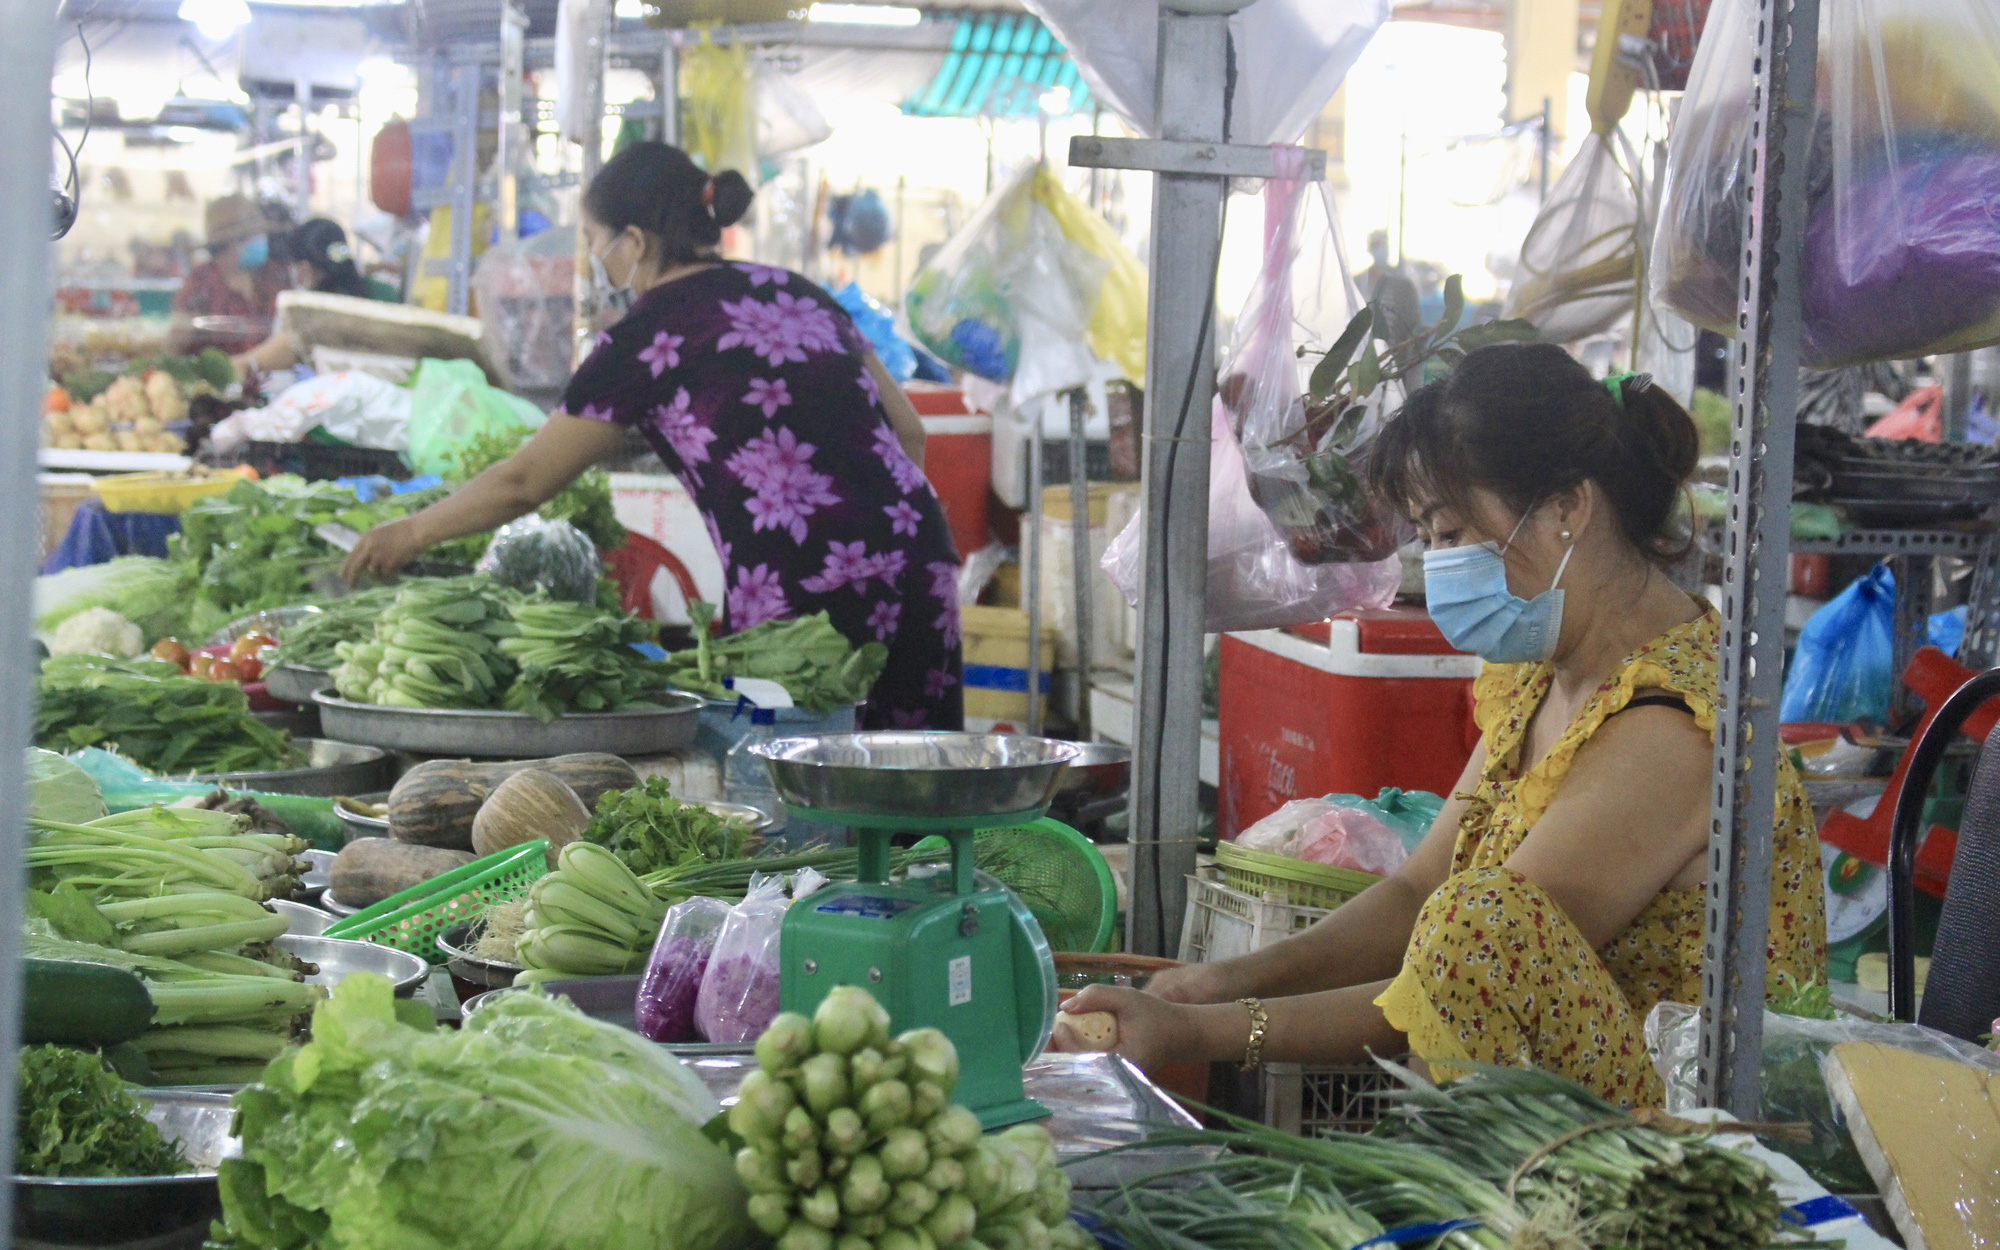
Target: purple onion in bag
674	971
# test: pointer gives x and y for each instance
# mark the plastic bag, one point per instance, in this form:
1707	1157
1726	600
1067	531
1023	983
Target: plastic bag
1902	239
1791	1080
357	408
1278	833
674	972
1290	57
739	989
451	405
537	554
1032	290
1350	837
1258	577
1841	670
1919	416
526	292
878	324
1579	269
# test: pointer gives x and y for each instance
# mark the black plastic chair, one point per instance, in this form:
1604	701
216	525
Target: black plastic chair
1962	993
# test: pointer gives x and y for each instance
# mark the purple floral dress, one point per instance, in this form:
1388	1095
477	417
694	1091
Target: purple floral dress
750	383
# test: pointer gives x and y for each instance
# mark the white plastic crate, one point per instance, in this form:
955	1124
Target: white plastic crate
1316	1099
1221	923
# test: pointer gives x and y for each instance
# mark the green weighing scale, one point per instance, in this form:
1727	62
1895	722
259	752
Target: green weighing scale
953	950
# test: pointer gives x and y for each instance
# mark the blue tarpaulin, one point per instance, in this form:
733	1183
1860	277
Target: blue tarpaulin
96	535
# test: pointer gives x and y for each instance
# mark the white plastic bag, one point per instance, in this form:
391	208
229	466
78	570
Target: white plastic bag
1278	833
1348	837
1579	269
1255	577
1291	56
526	291
739	989
357	408
1902	237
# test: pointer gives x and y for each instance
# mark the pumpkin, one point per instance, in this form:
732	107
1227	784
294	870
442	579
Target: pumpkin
529	805
368	870
435	803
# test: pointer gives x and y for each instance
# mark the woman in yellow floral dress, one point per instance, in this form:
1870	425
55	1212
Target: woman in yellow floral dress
1559	895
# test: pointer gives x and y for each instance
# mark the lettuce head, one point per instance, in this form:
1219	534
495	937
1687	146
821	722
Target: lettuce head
534	1127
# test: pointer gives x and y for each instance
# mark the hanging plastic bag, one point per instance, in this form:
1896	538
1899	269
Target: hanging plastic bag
1791	1081
451	406
1579	269
666	1004
1259	576
1902	238
878	325
1919	416
1032	290
536	554
526	292
1842	668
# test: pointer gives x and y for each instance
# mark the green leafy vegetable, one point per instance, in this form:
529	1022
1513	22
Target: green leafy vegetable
584	503
310	643
533	1126
153	594
811	659
58	789
73	1118
650	829
160	718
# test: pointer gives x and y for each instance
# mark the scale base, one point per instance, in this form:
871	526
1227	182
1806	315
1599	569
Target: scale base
1000	1115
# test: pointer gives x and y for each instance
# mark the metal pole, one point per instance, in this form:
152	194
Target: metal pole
510	135
592	143
1756	560
302	152
670	89
464	171
1403	201
1545	144
1031	573
1957	396
902	187
26	56
1180	384
1096	175
1079	554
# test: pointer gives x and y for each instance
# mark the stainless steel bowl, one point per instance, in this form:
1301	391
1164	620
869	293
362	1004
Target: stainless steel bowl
742	813
330	901
662	730
294	683
455	945
164	1211
331	768
303	920
359	825
1099	768
314	882
952	776
273	621
340	958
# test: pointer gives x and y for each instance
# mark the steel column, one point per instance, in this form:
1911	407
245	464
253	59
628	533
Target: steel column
1031	568
509	133
464	177
1079	554
1755	557
27	56
1180	384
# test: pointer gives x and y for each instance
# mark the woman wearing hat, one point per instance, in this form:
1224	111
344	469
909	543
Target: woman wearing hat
229	300
321	261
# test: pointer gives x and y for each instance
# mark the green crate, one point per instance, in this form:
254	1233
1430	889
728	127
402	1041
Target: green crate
412	920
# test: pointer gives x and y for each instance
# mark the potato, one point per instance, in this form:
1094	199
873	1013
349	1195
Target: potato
127	440
368	870
147	428
89	419
168	442
99	442
68	442
58	423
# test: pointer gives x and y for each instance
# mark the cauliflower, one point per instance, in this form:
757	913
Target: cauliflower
98	631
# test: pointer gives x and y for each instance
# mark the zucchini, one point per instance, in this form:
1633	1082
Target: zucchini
81	1004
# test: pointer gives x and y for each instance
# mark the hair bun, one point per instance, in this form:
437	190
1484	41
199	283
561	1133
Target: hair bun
730	197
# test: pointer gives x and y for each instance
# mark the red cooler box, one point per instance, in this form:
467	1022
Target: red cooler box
958	459
1347	706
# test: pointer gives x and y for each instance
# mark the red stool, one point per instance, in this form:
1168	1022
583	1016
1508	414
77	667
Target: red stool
633	566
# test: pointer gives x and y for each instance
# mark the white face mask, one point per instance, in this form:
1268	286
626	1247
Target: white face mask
603	291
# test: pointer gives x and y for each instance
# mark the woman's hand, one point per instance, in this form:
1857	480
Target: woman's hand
1194	983
383	551
1151	1031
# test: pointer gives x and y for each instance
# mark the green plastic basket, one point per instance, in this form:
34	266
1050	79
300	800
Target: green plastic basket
1299	882
1062	877
412	920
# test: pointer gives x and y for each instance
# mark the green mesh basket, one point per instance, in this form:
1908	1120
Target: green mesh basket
1060	875
412	920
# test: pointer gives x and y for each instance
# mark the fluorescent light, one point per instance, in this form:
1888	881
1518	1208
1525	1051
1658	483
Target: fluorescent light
215	19
382	69
866	14
629	8
1055	101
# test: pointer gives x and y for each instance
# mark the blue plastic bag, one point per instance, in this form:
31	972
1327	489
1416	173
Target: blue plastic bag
1842	669
879	326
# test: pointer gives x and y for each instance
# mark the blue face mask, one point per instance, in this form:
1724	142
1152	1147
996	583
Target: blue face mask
1465	589
254	252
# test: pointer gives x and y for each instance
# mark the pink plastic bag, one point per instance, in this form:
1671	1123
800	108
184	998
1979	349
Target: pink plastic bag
1278	833
1348	837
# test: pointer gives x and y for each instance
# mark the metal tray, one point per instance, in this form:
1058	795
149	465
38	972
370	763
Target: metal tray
123	1211
358	825
935	776
332	768
511	735
295	683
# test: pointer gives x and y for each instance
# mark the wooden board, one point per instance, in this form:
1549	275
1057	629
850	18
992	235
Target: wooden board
1929	1131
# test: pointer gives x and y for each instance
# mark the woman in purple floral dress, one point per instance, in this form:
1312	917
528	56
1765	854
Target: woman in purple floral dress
760	394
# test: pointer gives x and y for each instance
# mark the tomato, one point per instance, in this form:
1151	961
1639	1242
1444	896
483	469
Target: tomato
250	666
225	670
199	665
173	651
250	644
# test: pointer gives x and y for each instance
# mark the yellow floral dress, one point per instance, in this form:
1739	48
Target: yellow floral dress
1497	973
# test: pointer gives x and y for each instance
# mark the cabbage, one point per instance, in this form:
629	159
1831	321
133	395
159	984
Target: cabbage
153	594
59	790
533	1127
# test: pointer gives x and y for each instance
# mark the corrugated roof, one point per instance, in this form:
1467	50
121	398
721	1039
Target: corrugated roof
999	65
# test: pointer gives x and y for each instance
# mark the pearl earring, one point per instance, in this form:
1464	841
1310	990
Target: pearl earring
1565	535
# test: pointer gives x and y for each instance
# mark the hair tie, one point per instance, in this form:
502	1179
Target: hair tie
1619	384
708	197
